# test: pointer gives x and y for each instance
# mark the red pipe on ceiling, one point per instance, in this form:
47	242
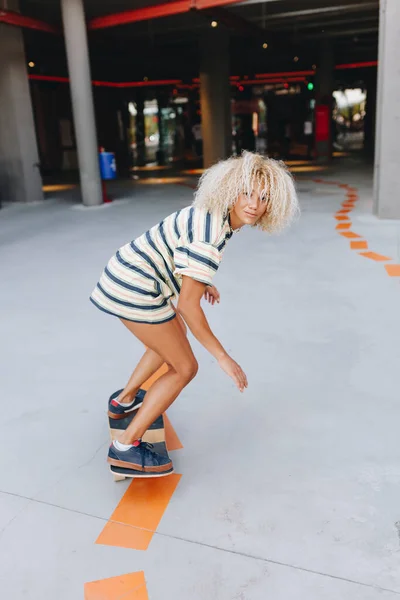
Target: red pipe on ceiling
371	63
290	76
13	18
285	74
136	84
111	84
171	82
51	78
165	9
271	80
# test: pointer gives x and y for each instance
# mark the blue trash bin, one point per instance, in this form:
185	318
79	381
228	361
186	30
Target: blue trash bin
108	166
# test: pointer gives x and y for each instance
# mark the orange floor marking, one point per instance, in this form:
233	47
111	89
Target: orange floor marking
349	234
171	438
342	218
140	510
374	256
393	270
344	211
129	587
343	225
348	204
147	384
173	442
359	245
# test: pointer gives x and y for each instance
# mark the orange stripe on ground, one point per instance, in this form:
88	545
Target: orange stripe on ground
348	204
343	225
171	438
342	218
349	234
375	256
393	270
161	371
129	587
344	211
136	518
326	182
359	245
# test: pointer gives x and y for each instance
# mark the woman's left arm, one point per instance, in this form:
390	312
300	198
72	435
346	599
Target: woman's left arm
189	308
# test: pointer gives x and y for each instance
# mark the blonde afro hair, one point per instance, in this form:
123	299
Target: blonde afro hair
221	184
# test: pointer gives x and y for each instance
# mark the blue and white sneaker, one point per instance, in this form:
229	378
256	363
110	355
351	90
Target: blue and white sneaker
142	458
117	411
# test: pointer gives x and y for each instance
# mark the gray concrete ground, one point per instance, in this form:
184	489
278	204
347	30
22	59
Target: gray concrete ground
288	491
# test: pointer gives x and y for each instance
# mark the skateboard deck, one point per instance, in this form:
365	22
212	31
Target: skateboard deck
155	435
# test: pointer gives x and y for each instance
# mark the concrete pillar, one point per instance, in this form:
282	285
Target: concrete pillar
386	174
20	179
140	131
215	97
162	102
324	84
82	100
370	116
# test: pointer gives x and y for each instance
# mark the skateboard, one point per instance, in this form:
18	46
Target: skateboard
155	435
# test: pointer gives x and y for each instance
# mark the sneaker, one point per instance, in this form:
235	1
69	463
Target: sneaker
140	458
116	411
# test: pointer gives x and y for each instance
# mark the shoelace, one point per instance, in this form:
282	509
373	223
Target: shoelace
145	450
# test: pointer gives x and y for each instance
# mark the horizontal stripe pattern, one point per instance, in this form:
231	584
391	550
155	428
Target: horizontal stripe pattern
143	275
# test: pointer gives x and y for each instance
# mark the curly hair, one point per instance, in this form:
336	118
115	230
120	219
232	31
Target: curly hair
221	184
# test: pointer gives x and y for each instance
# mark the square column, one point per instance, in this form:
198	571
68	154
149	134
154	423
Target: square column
386	172
82	100
20	179
215	97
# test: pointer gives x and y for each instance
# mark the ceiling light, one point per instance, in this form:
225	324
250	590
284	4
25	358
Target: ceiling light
296	59
31	64
265	45
214	23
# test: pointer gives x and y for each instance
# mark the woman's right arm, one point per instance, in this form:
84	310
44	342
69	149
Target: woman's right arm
189	307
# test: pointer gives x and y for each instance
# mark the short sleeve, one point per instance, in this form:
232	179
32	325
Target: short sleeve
198	260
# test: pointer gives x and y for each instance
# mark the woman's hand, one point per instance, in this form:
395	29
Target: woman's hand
211	294
232	369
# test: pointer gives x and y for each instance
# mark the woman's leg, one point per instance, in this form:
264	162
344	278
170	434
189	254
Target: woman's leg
168	341
146	367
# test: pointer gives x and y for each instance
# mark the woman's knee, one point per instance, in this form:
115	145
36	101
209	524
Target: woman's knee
188	370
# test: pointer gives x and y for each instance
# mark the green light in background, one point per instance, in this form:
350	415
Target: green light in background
310	86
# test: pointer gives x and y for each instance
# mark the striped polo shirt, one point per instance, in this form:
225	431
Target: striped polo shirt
144	274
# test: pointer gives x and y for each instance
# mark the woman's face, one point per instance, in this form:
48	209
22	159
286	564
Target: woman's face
248	209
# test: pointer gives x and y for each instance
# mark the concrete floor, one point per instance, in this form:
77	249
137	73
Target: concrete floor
290	491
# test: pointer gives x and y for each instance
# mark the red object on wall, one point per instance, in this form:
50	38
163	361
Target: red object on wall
106	197
322	123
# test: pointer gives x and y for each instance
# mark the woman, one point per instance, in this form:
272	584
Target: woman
178	258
